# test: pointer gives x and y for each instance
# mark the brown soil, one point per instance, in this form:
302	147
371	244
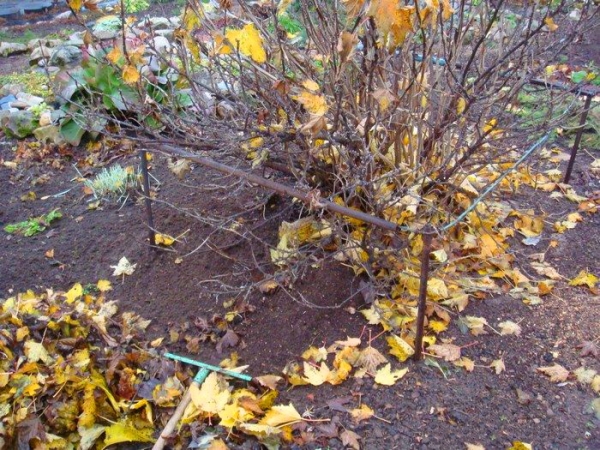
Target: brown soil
424	410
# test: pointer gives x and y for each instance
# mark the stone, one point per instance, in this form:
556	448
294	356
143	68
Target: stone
49	134
35	43
19	124
156	23
169	34
11	89
105	35
30	100
19	104
63	15
39	54
66	55
45	119
77	42
12	48
6	101
160	44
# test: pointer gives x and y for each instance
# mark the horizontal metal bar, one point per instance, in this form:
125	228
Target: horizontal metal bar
282	188
193	362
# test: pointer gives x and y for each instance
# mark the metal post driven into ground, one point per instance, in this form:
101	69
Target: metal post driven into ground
577	143
427	236
147	199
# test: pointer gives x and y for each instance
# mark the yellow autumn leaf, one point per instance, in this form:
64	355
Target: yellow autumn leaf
461	105
130	74
437	326
353	7
475	324
249	42
386	377
163	239
400	348
361	413
550	24
316	375
125	431
281	415
393	21
584	278
212	396
509	327
36	351
556	373
104	285
465	363
114	55
310	85
498	366
436	289
74	293
75	5
232	414
315	354
313	103
518	445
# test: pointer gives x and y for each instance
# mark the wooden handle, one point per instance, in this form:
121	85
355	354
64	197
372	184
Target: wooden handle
174	420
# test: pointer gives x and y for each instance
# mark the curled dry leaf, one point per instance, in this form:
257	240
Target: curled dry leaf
449	352
557	373
509	327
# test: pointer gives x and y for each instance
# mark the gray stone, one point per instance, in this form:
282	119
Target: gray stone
165	33
49	134
161	44
105	35
12	48
66	55
38	54
75	41
19	124
63	15
11	89
30	100
35	43
156	23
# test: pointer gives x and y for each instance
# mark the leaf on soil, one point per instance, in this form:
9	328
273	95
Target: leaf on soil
546	270
36	351
350	439
315	354
585	278
585	375
557	373
518	445
399	347
124	267
163	239
229	339
74	293
589	348
449	352
316	375
121	432
475	324
361	413
281	415
509	327
104	285
465	363
498	366
386	377
212	396
179	167
370	358
337	404
474	446
268	287
595	384
269	381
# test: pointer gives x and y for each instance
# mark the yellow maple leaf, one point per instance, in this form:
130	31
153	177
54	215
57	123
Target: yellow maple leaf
316	376
249	42
436	289
163	239
130	74
281	415
353	7
386	377
465	363
518	445
361	413
400	348
313	103
74	293
125	431
584	278
212	396
114	55
75	5
550	24
35	351
393	21
104	285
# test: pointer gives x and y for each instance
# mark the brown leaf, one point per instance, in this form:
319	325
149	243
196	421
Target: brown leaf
350	439
229	339
589	348
346	45
557	373
337	404
449	352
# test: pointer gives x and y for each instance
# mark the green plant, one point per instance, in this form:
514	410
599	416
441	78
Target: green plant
34	225
35	83
134	6
114	182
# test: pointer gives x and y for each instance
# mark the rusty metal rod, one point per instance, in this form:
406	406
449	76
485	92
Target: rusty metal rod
427	235
578	136
283	189
147	200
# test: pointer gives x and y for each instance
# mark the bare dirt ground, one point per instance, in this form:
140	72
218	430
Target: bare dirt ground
424	410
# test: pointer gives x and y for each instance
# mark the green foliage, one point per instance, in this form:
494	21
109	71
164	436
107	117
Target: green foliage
33	226
114	182
24	38
134	6
35	83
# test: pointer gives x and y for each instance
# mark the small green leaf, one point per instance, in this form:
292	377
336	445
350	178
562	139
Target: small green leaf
579	76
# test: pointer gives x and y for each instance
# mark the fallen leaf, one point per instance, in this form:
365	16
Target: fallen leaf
509	327
121	432
585	375
518	445
350	439
449	352
74	293
557	373
474	446
386	377
585	278
498	366
269	381
124	267
361	413
163	239
400	348
589	348
212	396
281	415
104	285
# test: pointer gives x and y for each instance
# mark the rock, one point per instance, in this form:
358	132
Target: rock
105	35
6	101
49	134
35	43
12	48
11	89
66	55
169	34
161	44
63	15
19	124
45	119
77	42
107	23
30	100
19	104
39	54
156	23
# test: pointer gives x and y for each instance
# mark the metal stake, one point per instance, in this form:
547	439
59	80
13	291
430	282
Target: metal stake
147	200
582	120
427	235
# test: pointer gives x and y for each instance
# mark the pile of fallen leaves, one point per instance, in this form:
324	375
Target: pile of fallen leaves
75	374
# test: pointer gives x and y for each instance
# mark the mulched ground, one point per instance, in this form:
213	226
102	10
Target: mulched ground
424	410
